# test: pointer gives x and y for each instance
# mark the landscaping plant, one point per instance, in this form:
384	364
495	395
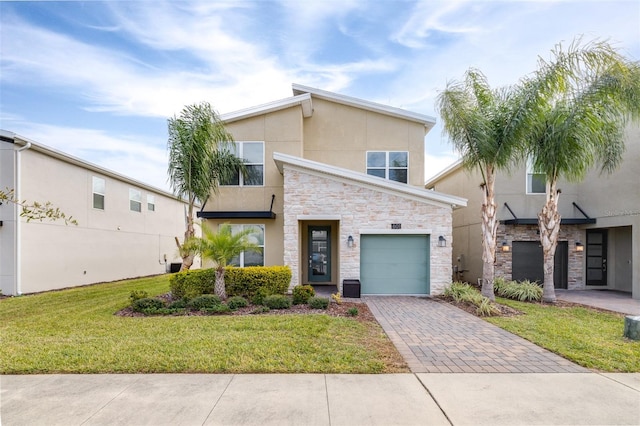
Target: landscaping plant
302	293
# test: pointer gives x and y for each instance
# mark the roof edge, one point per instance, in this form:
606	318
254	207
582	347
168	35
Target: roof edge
438	197
444	172
426	120
68	158
304	100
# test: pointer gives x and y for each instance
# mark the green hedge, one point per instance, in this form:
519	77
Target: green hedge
245	282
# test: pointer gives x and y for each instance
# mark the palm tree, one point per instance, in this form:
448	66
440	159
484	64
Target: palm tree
484	125
577	122
220	247
200	157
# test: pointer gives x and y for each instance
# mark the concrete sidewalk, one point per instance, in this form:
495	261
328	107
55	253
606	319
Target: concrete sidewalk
321	399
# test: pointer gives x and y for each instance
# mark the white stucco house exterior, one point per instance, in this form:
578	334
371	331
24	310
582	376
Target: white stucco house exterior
125	228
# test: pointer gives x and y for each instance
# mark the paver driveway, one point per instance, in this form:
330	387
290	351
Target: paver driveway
435	337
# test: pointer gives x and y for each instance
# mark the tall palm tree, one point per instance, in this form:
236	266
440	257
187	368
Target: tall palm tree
484	125
577	122
200	156
220	247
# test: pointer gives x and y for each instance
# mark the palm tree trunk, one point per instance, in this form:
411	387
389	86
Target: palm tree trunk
219	287
187	257
489	229
549	223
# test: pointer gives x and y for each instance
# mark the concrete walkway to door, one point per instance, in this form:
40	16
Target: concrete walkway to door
615	301
435	337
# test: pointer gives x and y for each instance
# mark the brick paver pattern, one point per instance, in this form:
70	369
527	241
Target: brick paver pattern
436	337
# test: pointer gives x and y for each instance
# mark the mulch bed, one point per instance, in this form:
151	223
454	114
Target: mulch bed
334	310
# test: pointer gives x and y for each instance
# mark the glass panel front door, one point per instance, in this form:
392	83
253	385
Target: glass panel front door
319	254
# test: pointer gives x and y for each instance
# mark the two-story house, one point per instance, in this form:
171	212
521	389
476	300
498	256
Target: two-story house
599	237
335	190
125	228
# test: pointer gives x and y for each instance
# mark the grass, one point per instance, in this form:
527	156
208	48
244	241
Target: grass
76	331
585	336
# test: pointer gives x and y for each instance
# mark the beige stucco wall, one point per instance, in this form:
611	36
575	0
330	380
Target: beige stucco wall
341	135
106	245
8	216
358	208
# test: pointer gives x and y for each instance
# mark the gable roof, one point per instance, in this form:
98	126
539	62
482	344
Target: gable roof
425	120
367	181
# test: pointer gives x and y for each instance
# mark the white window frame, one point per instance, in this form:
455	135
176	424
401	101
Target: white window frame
387	168
94	191
135	196
235	226
529	180
240	153
151	202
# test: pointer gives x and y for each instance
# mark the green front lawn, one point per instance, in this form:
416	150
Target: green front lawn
585	336
76	331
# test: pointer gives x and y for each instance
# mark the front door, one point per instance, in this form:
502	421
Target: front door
319	254
596	257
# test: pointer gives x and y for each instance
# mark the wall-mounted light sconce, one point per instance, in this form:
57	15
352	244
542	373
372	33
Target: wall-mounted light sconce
442	241
350	241
579	246
506	247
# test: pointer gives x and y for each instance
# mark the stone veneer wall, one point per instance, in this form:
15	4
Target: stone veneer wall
570	233
359	209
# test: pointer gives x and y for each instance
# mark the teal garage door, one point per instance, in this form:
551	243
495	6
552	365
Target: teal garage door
394	264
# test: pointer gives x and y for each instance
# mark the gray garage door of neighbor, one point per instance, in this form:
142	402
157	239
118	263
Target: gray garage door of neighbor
394	264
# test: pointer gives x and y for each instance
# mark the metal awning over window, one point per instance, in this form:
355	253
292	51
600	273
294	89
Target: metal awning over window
243	214
534	221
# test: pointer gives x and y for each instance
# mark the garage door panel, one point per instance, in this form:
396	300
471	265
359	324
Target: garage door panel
394	264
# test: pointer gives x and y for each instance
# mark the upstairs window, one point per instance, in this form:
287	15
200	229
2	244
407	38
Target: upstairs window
250	258
391	165
536	182
135	200
151	203
253	155
99	187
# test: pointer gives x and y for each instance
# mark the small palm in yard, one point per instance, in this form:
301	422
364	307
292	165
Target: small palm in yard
220	247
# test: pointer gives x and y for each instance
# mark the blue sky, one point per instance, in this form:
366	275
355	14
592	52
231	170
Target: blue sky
98	80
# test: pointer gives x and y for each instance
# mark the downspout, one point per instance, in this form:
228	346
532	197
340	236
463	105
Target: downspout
18	195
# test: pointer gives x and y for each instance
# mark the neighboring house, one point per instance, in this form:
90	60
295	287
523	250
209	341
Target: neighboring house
125	228
599	238
335	190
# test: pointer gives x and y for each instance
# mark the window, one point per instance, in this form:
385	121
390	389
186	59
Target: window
392	165
99	187
536	182
135	200
253	155
250	258
151	203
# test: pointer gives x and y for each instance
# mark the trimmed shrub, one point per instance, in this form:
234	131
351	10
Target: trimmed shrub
192	284
247	282
318	302
147	304
206	301
353	312
179	304
302	293
236	302
258	298
260	310
217	309
137	295
277	301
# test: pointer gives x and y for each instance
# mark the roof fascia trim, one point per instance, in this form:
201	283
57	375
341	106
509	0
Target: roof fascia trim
451	168
304	100
351	177
427	120
70	159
